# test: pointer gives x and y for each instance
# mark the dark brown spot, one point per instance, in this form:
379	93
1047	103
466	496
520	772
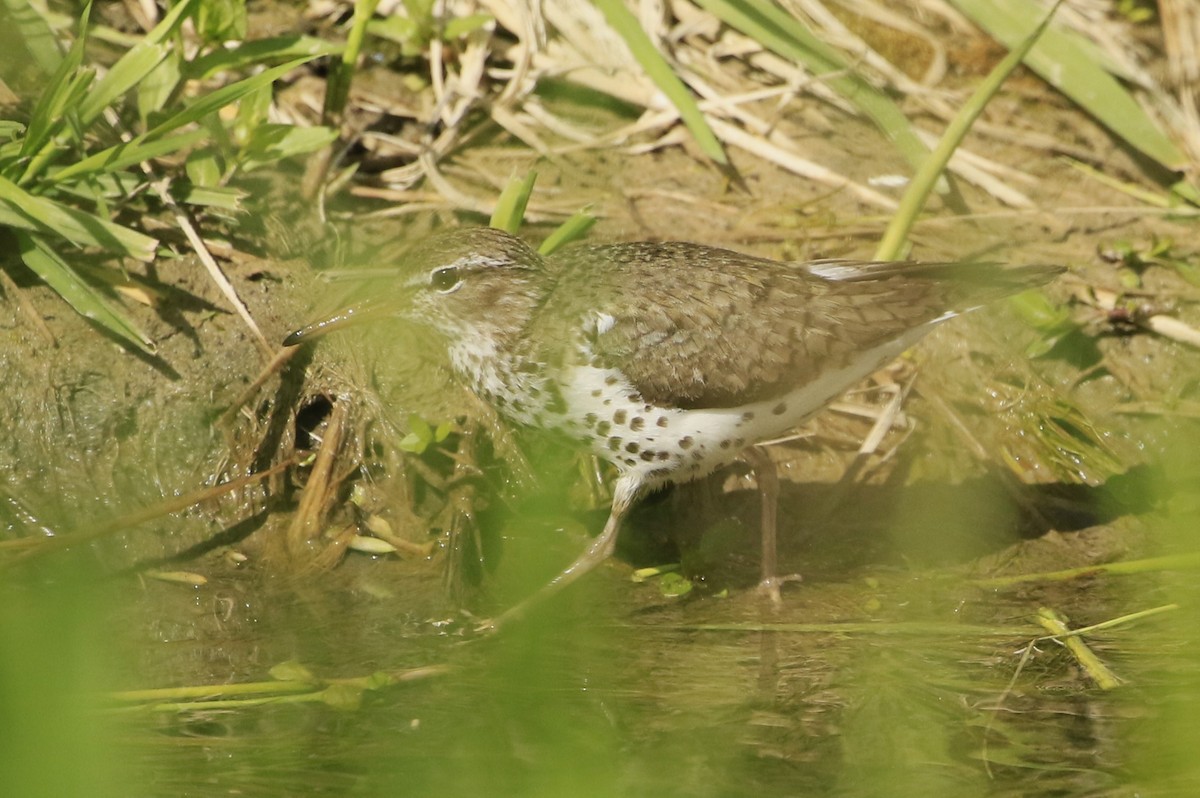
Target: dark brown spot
779	409
697	455
614	443
633	398
610	380
596	393
740	442
632	447
607	402
629	461
725	444
662	421
590	419
686	442
747	416
660	472
603	427
636	423
663	455
648	455
619	417
646	408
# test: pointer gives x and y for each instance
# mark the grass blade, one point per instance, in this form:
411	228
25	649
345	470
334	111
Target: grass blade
510	207
36	35
622	20
926	177
22	210
127	154
1068	63
134	66
572	229
223	97
259	52
338	89
64	89
784	35
89	303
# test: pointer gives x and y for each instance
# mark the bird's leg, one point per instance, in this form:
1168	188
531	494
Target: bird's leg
625	492
768	491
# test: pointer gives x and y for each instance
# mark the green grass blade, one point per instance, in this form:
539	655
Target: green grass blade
134	66
229	199
223	97
1069	63
337	89
64	89
622	20
926	177
571	230
89	303
510	207
261	51
784	35
22	210
125	155
269	143
36	35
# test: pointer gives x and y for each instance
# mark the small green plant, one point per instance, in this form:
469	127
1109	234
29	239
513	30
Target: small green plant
85	154
419	26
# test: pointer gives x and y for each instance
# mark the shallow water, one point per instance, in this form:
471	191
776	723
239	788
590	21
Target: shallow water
884	682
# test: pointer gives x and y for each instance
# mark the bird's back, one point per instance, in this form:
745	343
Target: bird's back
696	326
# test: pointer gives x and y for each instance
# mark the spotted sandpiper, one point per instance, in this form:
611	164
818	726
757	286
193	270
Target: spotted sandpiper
666	359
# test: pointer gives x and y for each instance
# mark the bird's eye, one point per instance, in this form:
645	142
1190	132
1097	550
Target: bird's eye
445	279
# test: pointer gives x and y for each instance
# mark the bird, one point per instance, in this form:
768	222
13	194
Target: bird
668	360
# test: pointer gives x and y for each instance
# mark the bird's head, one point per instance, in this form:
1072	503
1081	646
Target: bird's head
471	282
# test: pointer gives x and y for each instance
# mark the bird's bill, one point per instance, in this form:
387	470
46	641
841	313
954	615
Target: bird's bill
347	317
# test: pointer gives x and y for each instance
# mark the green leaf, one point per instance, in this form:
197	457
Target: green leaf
783	34
458	27
510	206
622	20
127	154
271	143
158	87
20	209
292	671
261	51
343	696
36	35
1070	64
401	30
205	167
134	66
572	229
222	97
674	585
221	20
89	303
63	91
229	199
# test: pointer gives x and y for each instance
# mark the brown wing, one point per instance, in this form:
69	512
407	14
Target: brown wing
694	326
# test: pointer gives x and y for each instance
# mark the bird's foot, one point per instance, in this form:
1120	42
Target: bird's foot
770	587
